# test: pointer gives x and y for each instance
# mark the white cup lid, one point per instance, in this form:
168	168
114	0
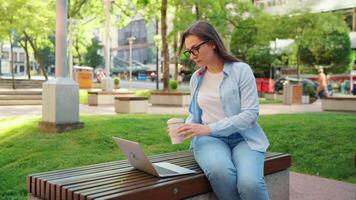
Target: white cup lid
175	120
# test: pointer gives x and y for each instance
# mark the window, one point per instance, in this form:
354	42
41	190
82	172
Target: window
5	55
14	56
22	57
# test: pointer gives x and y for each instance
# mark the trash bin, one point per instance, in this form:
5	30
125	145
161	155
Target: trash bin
83	76
292	94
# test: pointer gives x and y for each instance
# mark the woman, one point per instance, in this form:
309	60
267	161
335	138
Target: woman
227	142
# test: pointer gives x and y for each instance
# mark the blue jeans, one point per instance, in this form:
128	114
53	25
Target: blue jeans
233	169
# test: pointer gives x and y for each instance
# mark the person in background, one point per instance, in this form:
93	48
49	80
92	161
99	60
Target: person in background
227	142
100	75
322	89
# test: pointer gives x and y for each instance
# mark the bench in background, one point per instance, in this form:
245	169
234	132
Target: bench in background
170	98
105	98
339	104
131	104
119	180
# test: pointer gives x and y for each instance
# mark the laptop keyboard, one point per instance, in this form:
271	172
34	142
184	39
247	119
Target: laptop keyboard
164	171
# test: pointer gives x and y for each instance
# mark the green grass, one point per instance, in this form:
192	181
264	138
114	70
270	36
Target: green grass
143	93
269	101
320	144
83	96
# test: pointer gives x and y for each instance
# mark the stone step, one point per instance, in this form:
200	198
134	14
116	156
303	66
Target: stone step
20	97
21	83
20	92
19	102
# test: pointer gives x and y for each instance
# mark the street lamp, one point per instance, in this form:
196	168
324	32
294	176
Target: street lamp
130	39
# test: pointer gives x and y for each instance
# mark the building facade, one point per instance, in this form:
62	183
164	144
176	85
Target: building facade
143	48
18	57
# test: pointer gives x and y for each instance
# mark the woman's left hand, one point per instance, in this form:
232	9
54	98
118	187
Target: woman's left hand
190	130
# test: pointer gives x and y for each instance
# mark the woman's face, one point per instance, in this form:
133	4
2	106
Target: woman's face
203	50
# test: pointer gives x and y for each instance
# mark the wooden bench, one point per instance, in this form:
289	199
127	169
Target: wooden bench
170	98
96	98
131	104
119	180
339	104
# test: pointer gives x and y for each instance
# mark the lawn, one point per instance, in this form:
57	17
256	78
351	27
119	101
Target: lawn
83	96
269	101
320	144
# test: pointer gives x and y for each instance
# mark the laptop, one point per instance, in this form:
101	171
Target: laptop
137	158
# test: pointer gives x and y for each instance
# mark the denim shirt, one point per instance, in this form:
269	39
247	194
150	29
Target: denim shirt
239	100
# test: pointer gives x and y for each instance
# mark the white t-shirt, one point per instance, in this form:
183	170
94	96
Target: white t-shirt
209	98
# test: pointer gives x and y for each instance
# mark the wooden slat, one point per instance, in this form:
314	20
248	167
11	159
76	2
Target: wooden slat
118	180
108	189
66	171
39	180
149	185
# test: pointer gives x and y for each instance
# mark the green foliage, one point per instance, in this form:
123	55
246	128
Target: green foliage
260	59
173	84
92	58
244	38
322	39
253	31
308	89
183	60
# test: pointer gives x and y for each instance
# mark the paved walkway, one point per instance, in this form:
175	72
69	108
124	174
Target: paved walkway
265	109
306	187
302	187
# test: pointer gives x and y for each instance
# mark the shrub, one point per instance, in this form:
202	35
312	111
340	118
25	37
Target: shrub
173	84
308	89
116	81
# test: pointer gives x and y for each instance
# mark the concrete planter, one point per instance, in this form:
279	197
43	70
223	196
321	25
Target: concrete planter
105	98
274	96
131	104
339	104
170	98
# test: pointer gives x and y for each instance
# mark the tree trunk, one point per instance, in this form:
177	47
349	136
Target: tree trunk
78	53
298	61
175	47
157	59
39	61
37	55
197	12
28	67
12	61
0	58
25	48
165	46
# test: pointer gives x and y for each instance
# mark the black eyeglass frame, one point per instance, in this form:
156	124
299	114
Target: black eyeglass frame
194	50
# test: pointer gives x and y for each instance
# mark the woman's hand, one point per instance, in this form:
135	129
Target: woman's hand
190	130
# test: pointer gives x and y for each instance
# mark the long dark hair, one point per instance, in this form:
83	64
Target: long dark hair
206	31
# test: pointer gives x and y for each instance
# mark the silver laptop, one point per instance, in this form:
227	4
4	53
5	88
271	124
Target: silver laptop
137	158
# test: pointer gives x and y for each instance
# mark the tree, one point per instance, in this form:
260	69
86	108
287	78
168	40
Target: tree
165	52
39	17
323	41
11	22
92	58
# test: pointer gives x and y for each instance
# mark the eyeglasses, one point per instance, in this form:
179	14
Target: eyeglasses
194	50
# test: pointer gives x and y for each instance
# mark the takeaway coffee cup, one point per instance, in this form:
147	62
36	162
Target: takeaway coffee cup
173	125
